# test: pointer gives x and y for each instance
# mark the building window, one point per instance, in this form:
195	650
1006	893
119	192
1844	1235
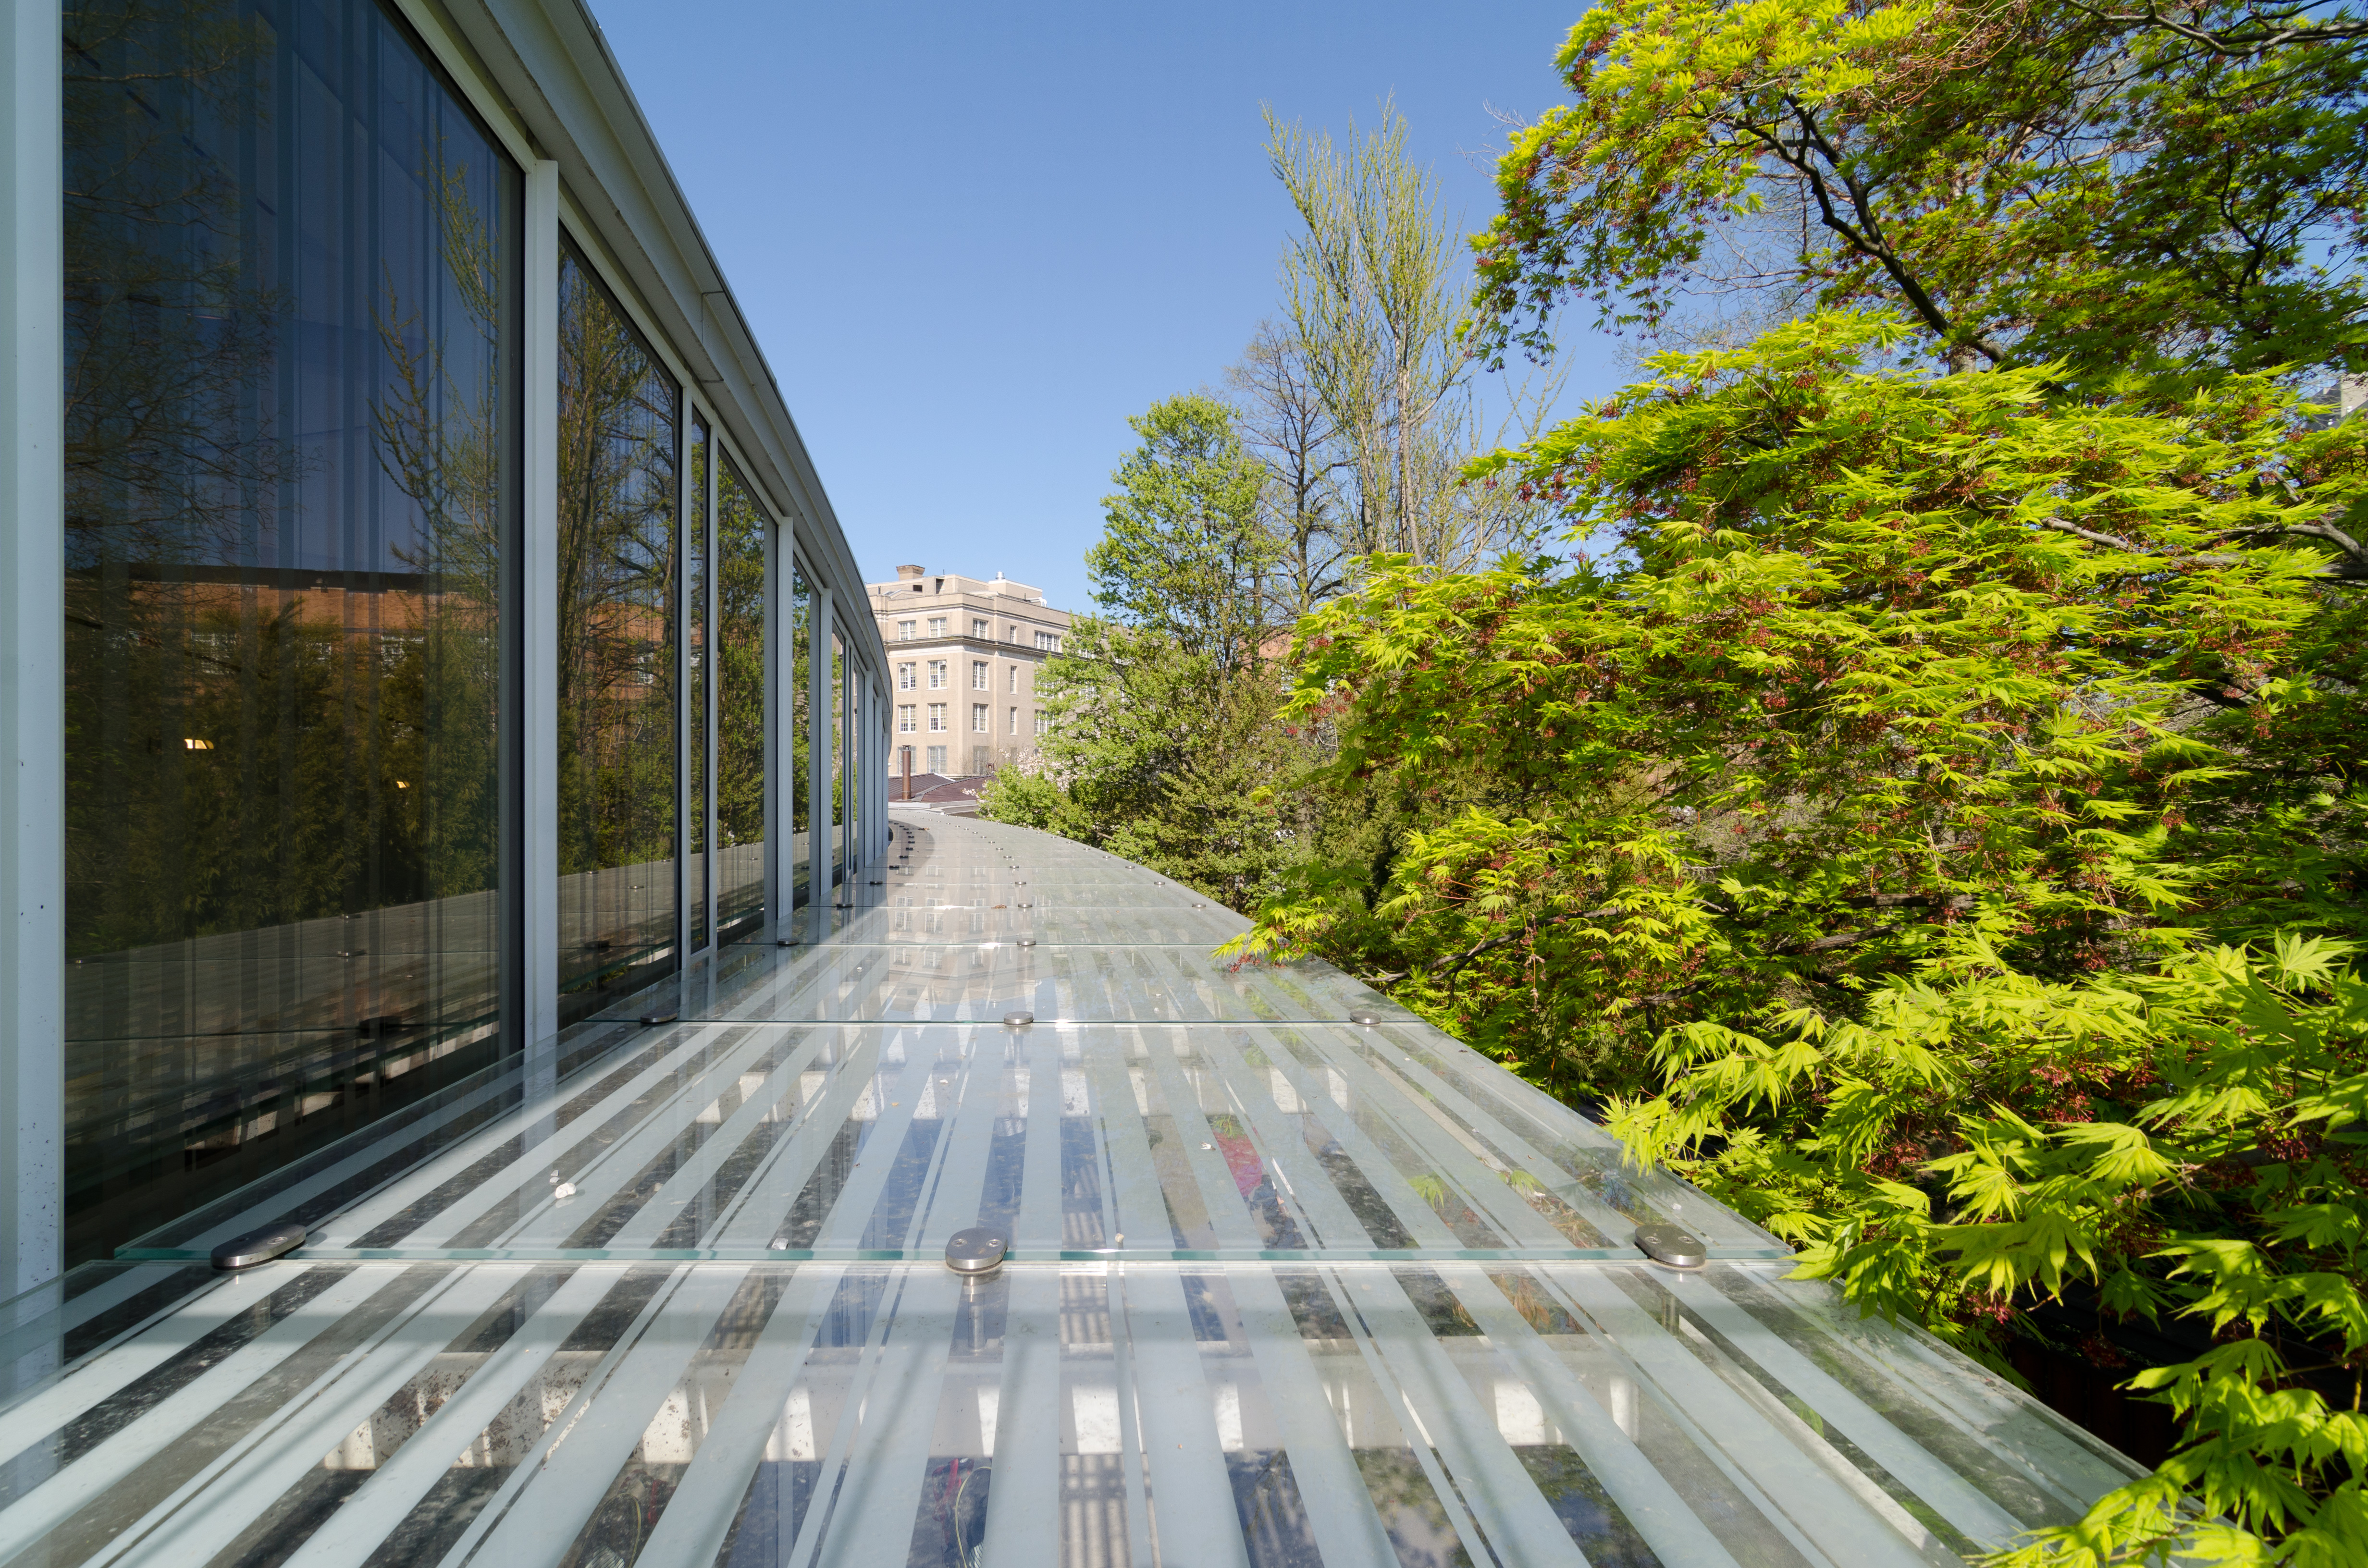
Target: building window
978	724
905	631
978	681
937	759
906	679
937	718
981	628
1041	717
1012	634
937	674
908	718
1049	641
937	626
1013	683
290	184
1015	721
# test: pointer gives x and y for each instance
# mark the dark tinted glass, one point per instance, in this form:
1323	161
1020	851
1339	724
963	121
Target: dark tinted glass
741	535
620	470
291	394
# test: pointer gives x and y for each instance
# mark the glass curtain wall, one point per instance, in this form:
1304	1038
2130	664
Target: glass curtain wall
798	712
695	876
742	533
620	470
292	306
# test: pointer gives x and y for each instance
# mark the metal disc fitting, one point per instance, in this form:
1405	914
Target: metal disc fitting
1027	941
1367	1019
1019	1020
259	1246
1671	1245
977	1251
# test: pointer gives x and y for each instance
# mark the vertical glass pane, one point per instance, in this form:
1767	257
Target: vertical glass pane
740	539
619	463
291	309
838	734
798	715
857	715
694	754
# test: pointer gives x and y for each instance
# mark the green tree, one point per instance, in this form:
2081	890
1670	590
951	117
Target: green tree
1934	821
1182	551
1165	743
1939	775
1372	296
2048	180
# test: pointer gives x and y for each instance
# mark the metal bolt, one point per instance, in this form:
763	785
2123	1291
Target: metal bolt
259	1246
1671	1245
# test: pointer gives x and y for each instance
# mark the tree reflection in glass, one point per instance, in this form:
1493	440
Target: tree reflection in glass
740	538
799	715
620	464
698	875
291	386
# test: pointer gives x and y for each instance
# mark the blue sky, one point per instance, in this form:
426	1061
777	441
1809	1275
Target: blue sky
973	239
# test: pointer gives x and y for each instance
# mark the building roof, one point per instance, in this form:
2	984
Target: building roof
1293	1277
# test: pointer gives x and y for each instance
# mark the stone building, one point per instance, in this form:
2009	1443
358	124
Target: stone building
963	654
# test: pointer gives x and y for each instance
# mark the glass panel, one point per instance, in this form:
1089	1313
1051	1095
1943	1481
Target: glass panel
619	463
1076	1415
1280	1293
290	307
859	719
800	718
840	732
742	532
695	877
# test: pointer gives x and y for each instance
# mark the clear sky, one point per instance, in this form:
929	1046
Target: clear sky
972	239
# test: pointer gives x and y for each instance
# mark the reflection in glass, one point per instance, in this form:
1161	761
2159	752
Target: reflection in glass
620	461
799	716
290	307
695	888
741	531
839	731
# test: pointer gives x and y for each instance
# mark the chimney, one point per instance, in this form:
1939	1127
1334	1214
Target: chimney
907	573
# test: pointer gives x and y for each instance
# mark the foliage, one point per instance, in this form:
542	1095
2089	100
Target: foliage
1361	394
1154	755
2188	1143
1163	738
1907	800
2028	180
1182	551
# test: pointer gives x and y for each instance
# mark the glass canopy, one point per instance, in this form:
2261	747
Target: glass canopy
1281	1289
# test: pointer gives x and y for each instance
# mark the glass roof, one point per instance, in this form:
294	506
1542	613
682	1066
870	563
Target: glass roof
1281	1290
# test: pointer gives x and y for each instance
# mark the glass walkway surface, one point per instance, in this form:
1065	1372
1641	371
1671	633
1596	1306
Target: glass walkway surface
1283	1288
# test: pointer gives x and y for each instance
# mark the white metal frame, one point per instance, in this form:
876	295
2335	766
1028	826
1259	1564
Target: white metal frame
32	649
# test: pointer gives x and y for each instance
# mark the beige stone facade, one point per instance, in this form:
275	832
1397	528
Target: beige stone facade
964	653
